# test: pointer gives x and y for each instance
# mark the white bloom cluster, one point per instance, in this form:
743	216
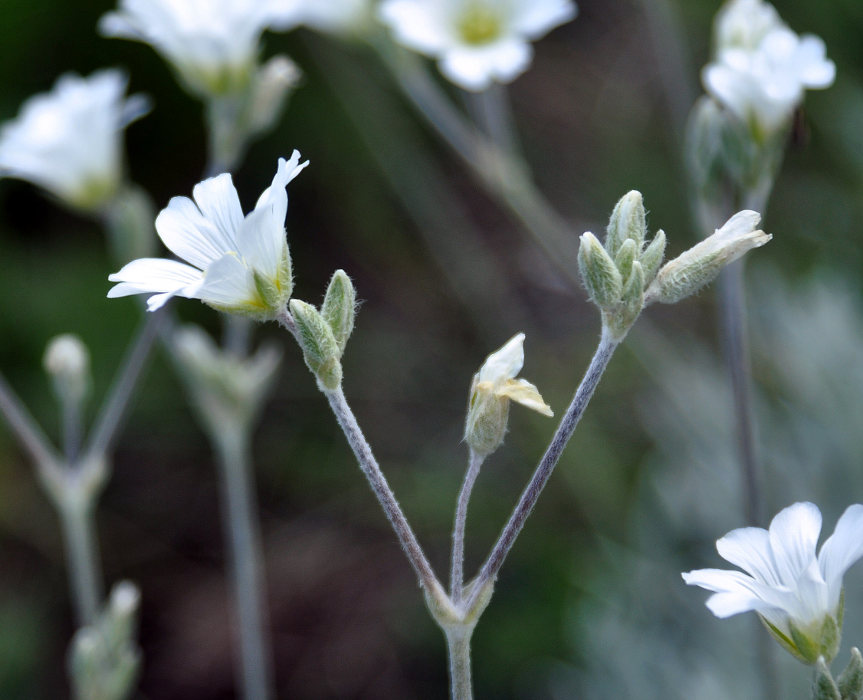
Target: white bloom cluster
237	264
794	591
761	67
212	43
476	42
68	140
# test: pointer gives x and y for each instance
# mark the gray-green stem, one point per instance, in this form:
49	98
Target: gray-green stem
530	495
458	650
238	502
456	580
77	516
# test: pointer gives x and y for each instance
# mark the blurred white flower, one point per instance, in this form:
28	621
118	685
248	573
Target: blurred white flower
798	594
212	43
343	17
762	68
68	140
493	387
238	264
476	42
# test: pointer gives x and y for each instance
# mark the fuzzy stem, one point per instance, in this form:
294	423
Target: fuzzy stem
458	647
456	579
238	503
530	495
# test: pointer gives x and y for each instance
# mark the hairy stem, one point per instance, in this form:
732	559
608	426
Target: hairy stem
530	495
458	648
456	579
238	503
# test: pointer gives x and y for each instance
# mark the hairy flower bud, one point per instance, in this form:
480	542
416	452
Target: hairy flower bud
699	265
652	257
600	275
850	681
339	308
628	221
320	347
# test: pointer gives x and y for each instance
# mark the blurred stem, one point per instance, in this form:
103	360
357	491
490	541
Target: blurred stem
457	567
238	503
492	111
225	137
77	517
71	428
113	409
504	176
369	466
458	646
530	495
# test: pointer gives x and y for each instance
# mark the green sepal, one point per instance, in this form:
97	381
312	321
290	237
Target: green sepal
600	275
339	308
267	290
628	221
625	257
651	258
850	681
320	349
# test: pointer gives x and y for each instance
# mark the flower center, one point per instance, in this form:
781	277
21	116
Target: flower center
479	24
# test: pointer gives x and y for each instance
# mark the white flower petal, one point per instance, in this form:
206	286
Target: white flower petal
793	536
218	201
229	283
535	18
152	275
418	24
505	363
523	392
476	67
749	548
842	549
189	235
275	197
739	592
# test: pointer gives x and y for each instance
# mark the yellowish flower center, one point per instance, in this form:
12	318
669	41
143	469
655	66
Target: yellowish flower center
479	24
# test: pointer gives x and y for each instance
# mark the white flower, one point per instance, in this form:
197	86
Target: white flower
493	387
333	16
212	43
762	68
476	42
797	593
238	264
68	140
744	23
699	265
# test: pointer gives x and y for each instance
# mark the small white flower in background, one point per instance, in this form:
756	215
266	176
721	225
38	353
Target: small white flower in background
476	42
493	387
212	43
344	17
238	264
762	68
68	141
797	594
67	362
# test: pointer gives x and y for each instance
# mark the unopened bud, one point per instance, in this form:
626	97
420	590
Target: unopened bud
850	681
625	257
628	221
632	302
600	275
320	347
339	308
823	686
67	362
699	265
652	257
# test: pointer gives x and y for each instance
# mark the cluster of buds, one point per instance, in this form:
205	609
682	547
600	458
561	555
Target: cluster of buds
323	334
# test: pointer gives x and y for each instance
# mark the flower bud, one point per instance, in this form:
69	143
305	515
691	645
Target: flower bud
339	308
850	681
823	686
699	265
632	302
625	257
652	256
320	347
600	275
67	362
628	221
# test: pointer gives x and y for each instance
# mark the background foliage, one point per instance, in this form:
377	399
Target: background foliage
590	603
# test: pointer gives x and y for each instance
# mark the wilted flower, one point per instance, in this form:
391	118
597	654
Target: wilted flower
493	387
68	140
796	593
699	265
212	43
761	67
476	42
238	264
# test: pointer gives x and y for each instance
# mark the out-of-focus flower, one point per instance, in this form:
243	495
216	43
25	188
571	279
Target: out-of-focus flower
238	264
67	362
212	43
476	42
797	594
68	140
343	17
762	68
493	387
699	265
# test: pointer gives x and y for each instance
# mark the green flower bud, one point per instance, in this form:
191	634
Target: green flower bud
600	275
652	256
339	308
625	257
628	221
320	347
699	265
823	686
621	319
67	362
